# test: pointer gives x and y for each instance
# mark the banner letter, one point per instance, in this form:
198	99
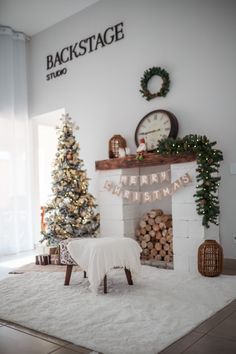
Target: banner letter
133	180
176	185
108	185
136	196
143	180
166	191
186	178
164	176
154	178
126	194
124	180
116	190
156	195
147	197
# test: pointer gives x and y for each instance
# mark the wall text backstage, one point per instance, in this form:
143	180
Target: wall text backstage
78	49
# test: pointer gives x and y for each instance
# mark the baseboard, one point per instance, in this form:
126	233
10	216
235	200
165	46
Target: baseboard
229	266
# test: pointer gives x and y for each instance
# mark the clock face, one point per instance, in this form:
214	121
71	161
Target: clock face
156	125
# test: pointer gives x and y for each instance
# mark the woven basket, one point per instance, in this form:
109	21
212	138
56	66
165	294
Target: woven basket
210	258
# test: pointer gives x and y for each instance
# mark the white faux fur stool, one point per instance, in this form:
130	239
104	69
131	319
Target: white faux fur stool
96	256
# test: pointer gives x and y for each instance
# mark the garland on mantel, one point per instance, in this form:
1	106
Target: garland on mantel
208	162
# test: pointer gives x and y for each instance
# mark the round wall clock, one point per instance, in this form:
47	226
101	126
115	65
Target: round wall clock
155	126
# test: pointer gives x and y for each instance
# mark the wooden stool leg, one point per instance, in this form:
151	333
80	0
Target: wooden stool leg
105	284
128	276
85	275
68	274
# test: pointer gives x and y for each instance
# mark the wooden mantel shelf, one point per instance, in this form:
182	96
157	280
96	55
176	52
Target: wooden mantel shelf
150	159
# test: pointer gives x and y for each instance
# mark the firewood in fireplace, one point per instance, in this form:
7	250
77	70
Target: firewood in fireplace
155	235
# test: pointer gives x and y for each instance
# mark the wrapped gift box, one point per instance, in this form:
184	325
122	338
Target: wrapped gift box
52	250
43	259
55	259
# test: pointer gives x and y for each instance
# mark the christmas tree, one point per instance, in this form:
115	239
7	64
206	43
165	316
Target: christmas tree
71	210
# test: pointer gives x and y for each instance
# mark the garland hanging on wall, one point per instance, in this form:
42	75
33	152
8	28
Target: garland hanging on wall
208	162
148	74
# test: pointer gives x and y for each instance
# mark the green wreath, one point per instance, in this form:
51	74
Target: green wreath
148	74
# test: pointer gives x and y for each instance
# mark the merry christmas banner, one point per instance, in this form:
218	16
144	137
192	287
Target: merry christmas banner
144	197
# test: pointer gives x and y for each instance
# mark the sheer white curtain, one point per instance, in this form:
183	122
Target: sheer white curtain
15	213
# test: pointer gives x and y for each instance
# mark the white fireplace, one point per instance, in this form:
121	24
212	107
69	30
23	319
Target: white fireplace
120	217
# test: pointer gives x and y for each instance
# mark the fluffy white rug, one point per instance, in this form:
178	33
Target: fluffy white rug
158	309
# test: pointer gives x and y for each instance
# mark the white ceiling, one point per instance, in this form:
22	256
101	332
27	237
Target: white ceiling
34	16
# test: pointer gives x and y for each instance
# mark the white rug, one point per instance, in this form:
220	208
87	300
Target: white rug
158	309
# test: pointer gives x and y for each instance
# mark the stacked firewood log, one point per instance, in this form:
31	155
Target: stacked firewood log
155	235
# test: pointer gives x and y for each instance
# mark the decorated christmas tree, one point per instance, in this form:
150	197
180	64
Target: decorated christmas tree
70	212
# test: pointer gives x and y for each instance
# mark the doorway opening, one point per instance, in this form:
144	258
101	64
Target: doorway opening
44	146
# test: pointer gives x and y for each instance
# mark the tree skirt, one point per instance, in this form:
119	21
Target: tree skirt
158	309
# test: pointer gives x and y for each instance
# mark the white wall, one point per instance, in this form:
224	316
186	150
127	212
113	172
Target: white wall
193	40
47	141
43	148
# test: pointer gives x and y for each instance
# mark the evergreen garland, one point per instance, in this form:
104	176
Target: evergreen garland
148	74
208	162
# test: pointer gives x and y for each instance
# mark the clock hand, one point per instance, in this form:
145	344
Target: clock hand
151	131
